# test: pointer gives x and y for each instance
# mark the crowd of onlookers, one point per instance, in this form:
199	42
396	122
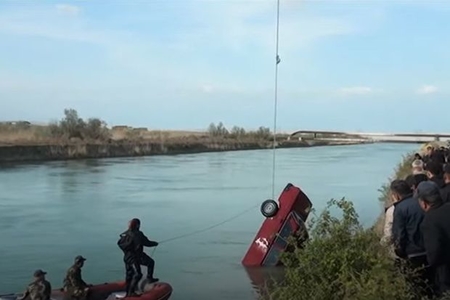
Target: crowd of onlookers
417	224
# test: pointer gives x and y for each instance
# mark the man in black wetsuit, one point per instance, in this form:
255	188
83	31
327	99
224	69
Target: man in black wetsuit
132	243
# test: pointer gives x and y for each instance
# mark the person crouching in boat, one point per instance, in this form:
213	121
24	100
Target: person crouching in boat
39	289
132	243
74	286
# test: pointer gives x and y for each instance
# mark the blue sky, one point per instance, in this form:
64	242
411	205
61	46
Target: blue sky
346	65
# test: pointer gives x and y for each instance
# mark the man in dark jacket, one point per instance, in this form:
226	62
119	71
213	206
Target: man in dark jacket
132	243
445	190
436	233
407	237
434	173
407	219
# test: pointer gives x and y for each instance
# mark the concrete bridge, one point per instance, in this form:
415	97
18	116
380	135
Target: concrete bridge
375	137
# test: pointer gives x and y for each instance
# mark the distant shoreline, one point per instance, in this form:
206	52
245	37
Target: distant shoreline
74	151
75	138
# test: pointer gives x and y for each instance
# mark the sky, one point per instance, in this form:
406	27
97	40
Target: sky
373	66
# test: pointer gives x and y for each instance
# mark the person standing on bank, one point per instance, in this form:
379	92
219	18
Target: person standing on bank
39	289
436	233
132	243
407	236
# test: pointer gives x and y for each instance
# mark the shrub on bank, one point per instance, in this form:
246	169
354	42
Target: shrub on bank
402	170
341	260
72	126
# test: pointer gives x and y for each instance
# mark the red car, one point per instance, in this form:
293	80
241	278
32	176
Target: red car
282	221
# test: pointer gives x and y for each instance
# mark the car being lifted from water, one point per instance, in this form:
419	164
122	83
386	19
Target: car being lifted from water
283	219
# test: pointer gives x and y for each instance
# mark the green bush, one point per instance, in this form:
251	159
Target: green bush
341	260
72	126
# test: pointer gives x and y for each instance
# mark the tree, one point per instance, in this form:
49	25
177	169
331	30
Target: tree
72	126
96	129
237	132
222	131
212	129
217	131
263	133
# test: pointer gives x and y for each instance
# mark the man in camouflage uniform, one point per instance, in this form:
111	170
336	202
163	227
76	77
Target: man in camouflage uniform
39	289
74	286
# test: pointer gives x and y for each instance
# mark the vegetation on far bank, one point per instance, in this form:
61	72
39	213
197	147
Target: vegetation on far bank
342	259
73	128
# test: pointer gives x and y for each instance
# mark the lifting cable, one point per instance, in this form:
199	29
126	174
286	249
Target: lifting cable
275	108
277	61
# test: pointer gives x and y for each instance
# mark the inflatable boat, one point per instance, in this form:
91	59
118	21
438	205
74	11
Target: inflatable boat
283	219
115	290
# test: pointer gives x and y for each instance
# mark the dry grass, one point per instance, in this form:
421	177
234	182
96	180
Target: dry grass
39	135
121	134
11	134
36	134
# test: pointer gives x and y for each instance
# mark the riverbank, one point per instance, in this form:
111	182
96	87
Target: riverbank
75	138
70	151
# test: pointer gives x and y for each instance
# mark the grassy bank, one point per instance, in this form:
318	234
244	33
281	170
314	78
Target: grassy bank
402	170
342	259
74	138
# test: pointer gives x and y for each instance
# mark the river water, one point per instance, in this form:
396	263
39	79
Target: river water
51	212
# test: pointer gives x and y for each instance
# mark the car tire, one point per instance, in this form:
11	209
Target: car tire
269	208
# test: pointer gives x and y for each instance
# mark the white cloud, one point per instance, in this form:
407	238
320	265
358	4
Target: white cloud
356	90
247	27
238	24
68	9
427	89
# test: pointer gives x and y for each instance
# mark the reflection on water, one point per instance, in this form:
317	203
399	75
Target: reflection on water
53	211
263	278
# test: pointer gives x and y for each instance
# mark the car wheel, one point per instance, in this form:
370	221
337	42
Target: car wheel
269	208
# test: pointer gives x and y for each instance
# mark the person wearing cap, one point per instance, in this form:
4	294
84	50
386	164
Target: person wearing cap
74	285
39	289
445	190
132	243
436	233
417	167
